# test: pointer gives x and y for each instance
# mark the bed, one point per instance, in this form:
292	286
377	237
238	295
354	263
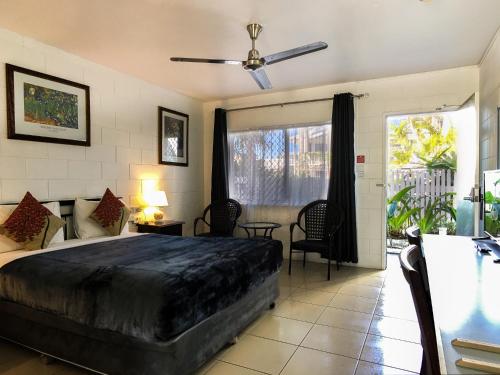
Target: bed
137	304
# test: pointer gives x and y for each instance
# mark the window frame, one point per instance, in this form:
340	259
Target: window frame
285	127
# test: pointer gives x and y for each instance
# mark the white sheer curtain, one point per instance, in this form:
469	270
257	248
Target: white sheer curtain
286	166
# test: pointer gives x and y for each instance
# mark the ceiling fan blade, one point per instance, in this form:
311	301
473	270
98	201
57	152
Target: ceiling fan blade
210	61
294	52
260	77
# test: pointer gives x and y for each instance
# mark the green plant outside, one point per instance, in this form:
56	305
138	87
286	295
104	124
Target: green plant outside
421	141
491	215
407	212
489	198
399	212
491	225
435	213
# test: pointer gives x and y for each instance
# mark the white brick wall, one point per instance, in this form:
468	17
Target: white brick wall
46	169
115	137
84	170
124	114
489	78
410	93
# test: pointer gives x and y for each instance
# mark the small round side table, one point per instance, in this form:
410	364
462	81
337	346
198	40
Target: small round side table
267	227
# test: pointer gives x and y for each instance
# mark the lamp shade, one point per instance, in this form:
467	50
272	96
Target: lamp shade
156	199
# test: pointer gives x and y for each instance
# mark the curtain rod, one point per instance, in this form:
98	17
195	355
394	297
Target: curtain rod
358	96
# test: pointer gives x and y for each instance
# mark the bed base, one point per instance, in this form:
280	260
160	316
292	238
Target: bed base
112	353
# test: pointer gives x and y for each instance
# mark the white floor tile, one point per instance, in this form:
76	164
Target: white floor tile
299	311
281	329
259	354
351	320
335	340
308	362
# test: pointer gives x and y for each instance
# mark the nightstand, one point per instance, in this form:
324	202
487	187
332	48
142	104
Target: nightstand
169	227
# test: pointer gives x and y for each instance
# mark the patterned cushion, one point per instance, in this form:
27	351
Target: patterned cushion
111	213
31	224
85	227
6	244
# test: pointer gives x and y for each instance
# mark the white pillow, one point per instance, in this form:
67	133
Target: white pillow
86	227
6	244
55	208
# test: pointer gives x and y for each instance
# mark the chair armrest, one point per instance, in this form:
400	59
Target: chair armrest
196	222
293	225
235	225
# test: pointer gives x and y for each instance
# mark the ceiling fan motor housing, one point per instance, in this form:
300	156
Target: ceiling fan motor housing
253	62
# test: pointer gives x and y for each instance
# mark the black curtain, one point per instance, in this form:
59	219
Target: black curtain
220	165
341	189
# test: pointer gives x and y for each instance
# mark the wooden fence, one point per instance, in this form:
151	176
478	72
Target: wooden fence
429	185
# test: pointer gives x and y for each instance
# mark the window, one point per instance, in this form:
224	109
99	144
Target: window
280	166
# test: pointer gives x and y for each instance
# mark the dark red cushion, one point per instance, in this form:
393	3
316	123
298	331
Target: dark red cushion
31	224
111	213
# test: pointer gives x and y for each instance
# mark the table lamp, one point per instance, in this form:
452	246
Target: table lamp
153	200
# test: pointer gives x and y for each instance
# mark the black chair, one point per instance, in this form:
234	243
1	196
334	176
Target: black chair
318	238
223	216
413	236
411	261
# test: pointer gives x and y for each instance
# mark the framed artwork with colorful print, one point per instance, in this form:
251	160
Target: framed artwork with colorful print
44	108
172	137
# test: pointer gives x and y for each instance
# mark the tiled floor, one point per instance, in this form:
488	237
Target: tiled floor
362	322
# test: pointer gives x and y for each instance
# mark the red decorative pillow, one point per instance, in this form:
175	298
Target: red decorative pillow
31	224
111	213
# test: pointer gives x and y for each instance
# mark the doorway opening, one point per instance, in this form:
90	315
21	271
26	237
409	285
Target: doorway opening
430	169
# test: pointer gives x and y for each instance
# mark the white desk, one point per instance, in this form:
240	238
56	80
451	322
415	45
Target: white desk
465	294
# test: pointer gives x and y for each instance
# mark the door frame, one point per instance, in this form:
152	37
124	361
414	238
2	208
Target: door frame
385	154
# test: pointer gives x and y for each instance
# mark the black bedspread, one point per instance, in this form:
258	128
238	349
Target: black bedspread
151	287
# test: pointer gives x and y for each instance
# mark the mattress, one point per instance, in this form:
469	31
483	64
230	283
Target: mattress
150	287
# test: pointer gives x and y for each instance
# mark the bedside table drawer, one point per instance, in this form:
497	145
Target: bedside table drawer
169	228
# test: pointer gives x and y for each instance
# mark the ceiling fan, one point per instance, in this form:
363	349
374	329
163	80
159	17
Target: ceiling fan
255	64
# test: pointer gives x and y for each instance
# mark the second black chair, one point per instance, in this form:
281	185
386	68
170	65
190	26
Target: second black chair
222	215
414	238
319	235
411	261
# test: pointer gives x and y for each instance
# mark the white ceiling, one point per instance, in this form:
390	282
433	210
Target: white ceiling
367	38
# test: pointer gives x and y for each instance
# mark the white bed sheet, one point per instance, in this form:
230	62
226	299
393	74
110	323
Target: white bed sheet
16	254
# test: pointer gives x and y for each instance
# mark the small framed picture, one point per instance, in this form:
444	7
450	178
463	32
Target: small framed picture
44	108
172	137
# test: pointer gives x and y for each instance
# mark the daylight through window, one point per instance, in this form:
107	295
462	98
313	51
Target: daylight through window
280	166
